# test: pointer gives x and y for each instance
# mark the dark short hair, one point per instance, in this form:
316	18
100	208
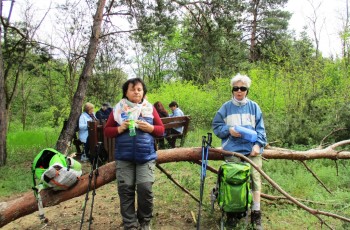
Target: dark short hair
173	103
134	81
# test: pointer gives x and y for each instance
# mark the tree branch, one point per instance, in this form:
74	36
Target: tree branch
333	131
118	32
176	183
26	204
312	211
318	179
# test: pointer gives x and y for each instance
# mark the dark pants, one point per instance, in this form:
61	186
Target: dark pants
135	180
87	150
172	140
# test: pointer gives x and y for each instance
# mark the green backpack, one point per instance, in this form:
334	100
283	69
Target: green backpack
52	169
234	187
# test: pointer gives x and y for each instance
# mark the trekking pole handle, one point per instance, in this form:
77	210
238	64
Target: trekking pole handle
209	139
98	148
203	141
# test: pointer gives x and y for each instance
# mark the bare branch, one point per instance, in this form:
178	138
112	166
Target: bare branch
338	144
176	183
5	25
312	211
318	179
277	198
118	32
27	204
333	131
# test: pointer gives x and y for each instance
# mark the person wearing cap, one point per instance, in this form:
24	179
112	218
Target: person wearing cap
241	111
103	113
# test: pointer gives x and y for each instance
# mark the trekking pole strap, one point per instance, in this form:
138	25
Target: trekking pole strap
95	167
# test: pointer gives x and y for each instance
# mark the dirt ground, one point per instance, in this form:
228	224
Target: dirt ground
106	213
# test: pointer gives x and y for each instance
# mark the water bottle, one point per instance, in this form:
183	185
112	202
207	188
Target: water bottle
132	130
247	134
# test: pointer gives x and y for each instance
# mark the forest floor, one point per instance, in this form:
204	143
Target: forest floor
106	213
173	209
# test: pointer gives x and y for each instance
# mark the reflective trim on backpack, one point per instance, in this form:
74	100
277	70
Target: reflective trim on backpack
51	169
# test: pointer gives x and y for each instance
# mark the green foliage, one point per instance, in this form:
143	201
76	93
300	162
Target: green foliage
106	87
19	141
201	103
22	147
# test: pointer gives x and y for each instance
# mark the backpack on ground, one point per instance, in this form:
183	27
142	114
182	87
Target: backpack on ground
234	187
52	169
232	190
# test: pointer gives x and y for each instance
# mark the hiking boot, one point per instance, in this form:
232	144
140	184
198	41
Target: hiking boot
130	227
84	158
256	220
231	223
145	226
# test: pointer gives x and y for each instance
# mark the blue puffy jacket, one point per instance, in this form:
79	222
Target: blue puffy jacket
139	148
248	115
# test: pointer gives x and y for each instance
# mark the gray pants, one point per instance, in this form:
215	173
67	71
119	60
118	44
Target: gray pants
133	177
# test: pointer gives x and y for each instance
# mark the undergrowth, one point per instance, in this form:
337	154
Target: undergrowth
291	176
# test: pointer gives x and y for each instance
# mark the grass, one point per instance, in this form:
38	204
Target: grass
15	178
22	147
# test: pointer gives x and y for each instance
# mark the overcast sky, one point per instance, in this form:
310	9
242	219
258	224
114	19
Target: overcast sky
329	22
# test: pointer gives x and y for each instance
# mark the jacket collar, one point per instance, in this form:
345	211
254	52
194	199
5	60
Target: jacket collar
239	103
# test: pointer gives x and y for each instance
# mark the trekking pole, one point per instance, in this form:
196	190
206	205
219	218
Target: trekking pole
95	163
87	196
208	144
42	217
203	168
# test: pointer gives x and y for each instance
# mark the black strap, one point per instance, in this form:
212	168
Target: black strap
35	189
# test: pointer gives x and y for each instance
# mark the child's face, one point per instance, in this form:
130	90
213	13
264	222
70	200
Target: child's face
172	108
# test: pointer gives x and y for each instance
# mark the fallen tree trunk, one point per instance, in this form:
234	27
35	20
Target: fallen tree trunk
327	153
27	204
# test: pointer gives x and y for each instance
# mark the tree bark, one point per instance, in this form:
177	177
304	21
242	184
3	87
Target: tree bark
67	132
3	112
25	205
254	25
3	109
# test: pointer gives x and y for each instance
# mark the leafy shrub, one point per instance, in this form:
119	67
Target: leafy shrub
200	102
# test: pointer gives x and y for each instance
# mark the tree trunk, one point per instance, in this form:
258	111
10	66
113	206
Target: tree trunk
3	113
3	109
254	25
25	205
67	132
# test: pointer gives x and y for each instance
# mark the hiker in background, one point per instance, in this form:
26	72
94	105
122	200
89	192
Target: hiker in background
241	111
87	115
103	113
160	109
162	113
135	153
176	112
